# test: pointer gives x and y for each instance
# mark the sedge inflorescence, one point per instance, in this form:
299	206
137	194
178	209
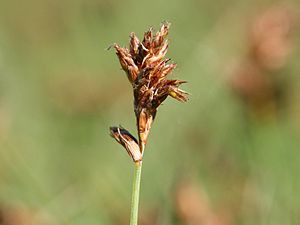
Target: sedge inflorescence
147	68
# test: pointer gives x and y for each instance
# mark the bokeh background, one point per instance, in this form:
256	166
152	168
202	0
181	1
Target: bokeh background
228	156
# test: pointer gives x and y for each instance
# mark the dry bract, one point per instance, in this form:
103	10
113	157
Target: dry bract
128	141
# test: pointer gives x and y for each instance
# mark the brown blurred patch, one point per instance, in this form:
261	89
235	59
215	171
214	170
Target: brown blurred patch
271	37
192	206
256	88
255	77
17	215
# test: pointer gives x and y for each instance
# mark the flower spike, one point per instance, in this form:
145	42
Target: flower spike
147	70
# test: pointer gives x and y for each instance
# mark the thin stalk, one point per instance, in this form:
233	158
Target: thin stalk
135	193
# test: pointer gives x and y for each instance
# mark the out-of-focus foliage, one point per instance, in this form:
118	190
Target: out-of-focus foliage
231	153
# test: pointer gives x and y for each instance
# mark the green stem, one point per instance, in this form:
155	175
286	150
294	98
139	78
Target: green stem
135	193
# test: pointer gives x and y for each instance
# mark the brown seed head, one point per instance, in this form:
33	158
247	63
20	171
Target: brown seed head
147	69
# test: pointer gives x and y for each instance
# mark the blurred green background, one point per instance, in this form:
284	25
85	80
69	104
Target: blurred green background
214	160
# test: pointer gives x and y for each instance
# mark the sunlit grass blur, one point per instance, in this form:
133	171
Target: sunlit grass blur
230	155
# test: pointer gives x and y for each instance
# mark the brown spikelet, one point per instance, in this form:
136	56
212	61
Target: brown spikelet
129	142
147	71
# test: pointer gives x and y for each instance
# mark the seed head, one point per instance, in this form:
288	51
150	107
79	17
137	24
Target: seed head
147	69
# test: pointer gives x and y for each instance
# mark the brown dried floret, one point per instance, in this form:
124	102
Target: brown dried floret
129	142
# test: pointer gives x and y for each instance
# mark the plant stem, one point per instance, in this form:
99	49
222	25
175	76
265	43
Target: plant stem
135	193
